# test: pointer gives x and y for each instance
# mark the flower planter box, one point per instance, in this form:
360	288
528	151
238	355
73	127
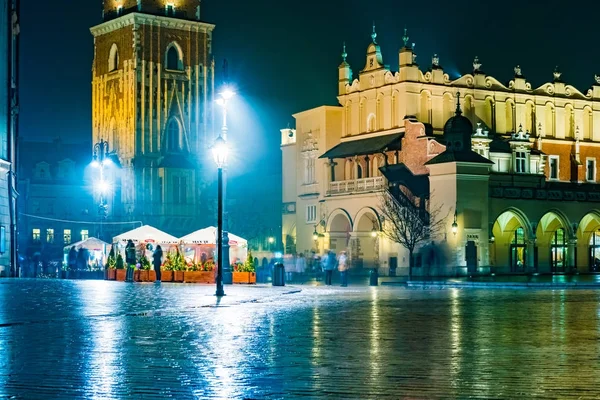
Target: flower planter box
112	274
199	277
244	277
144	276
121	274
166	276
177	276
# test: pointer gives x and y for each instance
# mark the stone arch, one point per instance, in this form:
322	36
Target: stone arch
510	120
488	114
113	58
337	221
449	105
530	118
360	216
425	107
174	57
588	242
512	233
173	141
395	119
554	236
468	108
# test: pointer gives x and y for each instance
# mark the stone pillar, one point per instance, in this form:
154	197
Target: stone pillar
571	249
368	167
530	250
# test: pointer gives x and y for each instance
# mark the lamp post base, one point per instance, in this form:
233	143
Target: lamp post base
227	278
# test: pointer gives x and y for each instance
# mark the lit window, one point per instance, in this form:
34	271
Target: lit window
67	236
170	9
50	235
85	234
311	214
590	172
113	58
554	167
37	235
521	162
2	239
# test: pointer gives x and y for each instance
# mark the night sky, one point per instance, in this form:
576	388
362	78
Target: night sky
283	55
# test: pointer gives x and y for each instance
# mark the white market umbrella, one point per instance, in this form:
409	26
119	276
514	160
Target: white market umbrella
146	234
209	236
91	244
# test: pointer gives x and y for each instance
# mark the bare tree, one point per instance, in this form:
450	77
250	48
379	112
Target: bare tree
408	221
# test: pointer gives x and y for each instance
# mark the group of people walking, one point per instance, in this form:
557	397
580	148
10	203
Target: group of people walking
297	267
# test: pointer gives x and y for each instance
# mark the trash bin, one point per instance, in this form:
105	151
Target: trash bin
374	277
279	275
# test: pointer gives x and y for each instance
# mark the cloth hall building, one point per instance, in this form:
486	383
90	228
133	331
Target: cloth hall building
513	166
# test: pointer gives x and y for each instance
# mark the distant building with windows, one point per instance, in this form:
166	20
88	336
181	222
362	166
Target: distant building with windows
153	95
56	199
514	167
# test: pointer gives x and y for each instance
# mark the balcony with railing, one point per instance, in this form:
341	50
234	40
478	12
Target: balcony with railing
355	186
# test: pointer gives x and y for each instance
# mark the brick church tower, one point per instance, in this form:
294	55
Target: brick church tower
152	89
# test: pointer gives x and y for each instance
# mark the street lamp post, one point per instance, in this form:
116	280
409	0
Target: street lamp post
226	95
100	160
220	152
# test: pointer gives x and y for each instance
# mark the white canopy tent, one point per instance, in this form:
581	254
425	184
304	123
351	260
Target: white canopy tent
145	234
205	240
97	251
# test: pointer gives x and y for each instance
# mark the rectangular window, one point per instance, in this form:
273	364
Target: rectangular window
85	234
67	236
2	239
590	172
311	214
49	235
554	167
36	235
521	162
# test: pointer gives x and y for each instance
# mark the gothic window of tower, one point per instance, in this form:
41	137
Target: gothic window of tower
174	57
173	136
113	58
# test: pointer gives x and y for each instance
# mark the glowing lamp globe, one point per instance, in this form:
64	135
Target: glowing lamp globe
227	94
103	187
220	152
271	240
315	235
374	233
454	228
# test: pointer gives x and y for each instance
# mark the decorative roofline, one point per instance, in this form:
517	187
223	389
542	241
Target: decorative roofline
140	18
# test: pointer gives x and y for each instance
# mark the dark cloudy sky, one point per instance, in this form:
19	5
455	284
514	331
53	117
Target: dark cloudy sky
283	55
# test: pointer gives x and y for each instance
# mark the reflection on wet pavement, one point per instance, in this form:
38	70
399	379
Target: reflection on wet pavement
108	340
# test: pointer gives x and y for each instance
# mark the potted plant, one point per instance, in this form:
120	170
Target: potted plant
175	263
199	272
120	271
245	273
167	269
111	265
143	272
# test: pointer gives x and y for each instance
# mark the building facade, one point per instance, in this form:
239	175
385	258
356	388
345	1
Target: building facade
513	166
153	81
56	202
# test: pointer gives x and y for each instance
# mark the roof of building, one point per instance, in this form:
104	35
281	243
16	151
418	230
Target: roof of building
400	173
377	144
32	153
459	156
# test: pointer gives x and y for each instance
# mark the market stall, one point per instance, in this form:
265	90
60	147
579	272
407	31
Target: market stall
201	245
94	252
147	237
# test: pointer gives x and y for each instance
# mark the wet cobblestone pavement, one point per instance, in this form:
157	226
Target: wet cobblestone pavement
108	340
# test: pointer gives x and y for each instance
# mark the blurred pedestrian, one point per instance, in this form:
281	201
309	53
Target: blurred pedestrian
157	261
343	268
300	267
72	259
329	265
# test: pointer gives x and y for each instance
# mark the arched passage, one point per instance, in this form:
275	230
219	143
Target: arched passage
554	235
512	250
339	227
588	243
367	227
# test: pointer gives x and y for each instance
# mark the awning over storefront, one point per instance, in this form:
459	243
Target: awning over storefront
361	147
399	173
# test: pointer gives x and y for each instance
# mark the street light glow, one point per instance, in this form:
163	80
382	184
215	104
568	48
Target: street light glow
271	240
103	187
220	102
220	152
95	164
227	94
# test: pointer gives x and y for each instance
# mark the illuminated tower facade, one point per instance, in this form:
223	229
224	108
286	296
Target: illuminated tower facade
152	88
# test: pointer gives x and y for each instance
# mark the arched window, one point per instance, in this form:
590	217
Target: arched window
113	58
174	61
371	123
173	136
569	122
359	171
588	123
559	250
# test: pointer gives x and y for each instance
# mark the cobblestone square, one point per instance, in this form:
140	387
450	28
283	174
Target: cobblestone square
108	340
